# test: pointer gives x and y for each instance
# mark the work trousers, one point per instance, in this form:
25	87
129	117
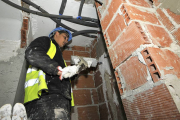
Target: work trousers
49	107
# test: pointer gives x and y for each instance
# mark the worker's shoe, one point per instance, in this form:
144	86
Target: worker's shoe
5	112
19	112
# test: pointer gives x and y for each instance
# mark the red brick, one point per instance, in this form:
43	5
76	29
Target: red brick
97	79
93	52
176	34
97	5
88	113
100	94
83	54
140	14
134	73
88	49
143	3
82	97
159	61
159	36
78	48
67	54
25	24
85	82
129	41
23	38
175	17
116	27
118	82
113	56
165	20
114	5
106	39
103	110
146	105
95	96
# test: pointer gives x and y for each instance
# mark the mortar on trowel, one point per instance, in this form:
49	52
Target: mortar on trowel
83	63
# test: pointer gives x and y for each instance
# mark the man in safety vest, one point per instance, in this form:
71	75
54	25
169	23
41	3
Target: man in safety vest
47	85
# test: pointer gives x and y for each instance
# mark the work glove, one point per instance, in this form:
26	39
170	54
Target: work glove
68	71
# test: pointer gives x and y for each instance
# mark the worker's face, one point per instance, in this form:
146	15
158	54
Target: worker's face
61	39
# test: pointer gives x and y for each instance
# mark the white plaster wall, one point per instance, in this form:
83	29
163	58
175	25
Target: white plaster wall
11	58
42	26
10	21
10	26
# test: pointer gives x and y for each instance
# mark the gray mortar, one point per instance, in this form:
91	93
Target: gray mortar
74	114
9	77
130	95
110	94
173	6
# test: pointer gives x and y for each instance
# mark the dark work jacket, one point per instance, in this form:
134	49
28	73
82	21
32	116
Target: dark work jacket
36	56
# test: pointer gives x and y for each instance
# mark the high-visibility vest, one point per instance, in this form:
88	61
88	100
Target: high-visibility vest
35	80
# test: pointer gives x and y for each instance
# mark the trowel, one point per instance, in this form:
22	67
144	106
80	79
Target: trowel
83	63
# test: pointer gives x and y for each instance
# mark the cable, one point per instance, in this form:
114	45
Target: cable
90	19
84	31
84	18
80	22
35	12
61	10
99	2
55	20
80	7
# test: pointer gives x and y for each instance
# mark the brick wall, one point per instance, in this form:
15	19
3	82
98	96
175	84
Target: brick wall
93	95
110	107
84	91
143	43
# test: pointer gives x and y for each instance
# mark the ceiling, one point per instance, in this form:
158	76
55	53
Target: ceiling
42	26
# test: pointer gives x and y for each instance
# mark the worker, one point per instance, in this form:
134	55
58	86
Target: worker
47	86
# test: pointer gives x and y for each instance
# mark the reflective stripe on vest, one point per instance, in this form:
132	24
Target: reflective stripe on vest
35	80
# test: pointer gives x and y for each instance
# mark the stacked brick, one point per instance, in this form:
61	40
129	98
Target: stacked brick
84	91
143	43
24	30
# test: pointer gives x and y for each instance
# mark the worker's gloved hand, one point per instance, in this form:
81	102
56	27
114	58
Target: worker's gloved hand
68	71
